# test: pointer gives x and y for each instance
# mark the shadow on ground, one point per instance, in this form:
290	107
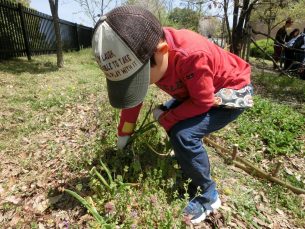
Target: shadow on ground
19	66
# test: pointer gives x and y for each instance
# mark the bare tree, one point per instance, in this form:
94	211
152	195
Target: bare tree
59	52
157	7
93	9
241	11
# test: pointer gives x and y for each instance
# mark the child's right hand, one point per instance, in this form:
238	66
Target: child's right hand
122	141
157	112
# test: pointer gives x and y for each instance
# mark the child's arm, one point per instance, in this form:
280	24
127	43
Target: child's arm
200	86
201	83
127	125
128	120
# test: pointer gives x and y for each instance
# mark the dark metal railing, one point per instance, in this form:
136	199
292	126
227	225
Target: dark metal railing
27	32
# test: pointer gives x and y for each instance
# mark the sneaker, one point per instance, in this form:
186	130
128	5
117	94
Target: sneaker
198	211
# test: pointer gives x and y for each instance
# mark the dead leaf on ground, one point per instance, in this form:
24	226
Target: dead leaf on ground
53	200
279	211
261	222
40	203
1	190
15	220
13	199
41	226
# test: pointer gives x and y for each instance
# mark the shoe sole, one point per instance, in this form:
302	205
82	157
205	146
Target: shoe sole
215	206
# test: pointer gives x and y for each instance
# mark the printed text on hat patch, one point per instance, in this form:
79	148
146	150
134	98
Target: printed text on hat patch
114	57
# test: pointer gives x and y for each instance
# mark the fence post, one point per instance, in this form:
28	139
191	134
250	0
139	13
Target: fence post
24	31
76	38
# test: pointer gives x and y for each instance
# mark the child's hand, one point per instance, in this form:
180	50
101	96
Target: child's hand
157	112
122	141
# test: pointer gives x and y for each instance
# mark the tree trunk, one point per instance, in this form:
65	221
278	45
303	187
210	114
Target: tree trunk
226	20
54	10
240	19
235	30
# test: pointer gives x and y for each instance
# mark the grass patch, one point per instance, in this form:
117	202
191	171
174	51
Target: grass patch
264	44
281	88
34	93
272	129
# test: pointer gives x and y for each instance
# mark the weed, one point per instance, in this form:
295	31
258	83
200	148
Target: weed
293	203
281	88
272	128
126	204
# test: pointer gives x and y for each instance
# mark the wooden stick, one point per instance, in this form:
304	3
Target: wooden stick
277	168
235	151
251	169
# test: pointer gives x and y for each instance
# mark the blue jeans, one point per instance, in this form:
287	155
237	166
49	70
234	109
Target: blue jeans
186	139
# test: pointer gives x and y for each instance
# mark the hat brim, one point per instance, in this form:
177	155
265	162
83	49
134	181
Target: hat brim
129	92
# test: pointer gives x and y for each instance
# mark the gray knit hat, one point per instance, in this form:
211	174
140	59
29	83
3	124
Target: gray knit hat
123	42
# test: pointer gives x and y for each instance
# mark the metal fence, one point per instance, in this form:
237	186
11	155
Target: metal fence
27	32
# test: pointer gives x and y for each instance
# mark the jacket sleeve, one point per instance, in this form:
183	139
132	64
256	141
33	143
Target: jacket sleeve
128	120
199	82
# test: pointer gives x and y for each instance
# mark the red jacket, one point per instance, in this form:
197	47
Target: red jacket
197	69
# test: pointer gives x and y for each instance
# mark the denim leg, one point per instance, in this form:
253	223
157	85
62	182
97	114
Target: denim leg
186	139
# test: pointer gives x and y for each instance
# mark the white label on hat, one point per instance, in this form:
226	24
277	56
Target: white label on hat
115	58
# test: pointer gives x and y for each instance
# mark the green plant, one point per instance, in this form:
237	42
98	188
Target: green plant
280	87
264	44
115	202
90	208
294	203
272	127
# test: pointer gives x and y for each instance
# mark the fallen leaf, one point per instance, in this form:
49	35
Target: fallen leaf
260	222
288	171
279	211
14	221
275	225
13	199
227	191
55	199
264	198
40	226
1	190
240	223
40	203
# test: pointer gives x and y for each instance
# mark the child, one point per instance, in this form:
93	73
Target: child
210	87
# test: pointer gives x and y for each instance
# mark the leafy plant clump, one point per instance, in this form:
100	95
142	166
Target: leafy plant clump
132	205
139	187
281	87
270	128
264	44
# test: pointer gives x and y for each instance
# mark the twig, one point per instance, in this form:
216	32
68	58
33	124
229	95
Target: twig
277	168
251	169
235	151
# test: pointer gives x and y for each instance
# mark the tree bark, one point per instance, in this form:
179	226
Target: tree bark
240	19
59	52
226	18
